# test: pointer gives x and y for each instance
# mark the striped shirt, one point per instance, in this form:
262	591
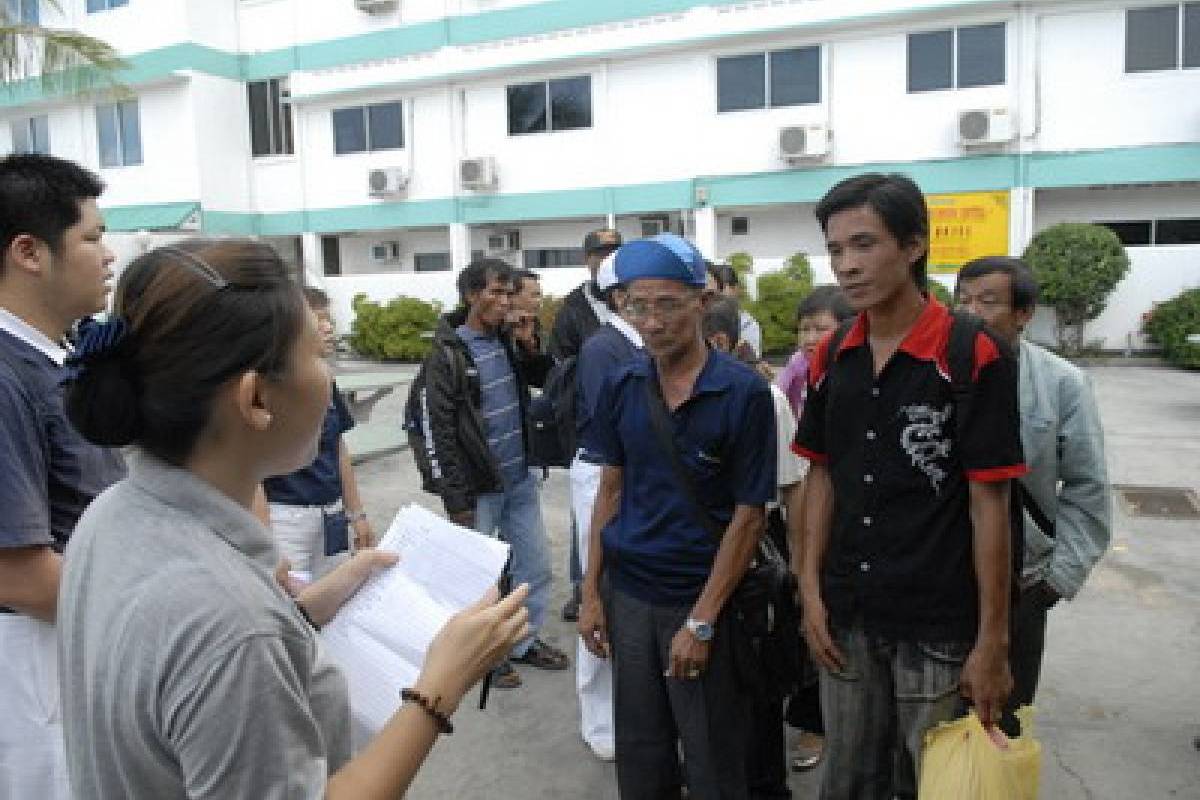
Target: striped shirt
500	404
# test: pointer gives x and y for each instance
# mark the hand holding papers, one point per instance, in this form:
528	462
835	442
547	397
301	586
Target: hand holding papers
380	637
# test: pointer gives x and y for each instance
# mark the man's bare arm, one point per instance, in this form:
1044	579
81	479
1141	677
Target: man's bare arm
986	679
29	578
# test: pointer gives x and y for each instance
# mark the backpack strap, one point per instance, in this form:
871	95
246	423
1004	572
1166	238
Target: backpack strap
836	339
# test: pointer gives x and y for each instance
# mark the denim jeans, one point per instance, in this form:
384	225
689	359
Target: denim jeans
515	516
887	696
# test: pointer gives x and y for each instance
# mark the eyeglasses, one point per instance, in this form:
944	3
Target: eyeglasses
662	308
603	250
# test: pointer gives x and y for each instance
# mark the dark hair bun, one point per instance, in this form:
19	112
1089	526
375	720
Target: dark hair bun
102	402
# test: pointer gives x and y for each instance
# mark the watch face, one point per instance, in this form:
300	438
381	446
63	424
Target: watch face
701	630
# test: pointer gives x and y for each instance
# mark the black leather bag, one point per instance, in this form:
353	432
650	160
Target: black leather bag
770	654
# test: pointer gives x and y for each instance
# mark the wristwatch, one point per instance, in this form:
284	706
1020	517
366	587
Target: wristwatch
700	629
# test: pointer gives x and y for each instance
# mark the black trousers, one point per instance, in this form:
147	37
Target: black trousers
656	716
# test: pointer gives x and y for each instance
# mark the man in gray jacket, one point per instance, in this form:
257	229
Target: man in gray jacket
1066	494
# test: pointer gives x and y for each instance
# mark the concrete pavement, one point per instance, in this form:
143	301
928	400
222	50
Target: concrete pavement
1120	701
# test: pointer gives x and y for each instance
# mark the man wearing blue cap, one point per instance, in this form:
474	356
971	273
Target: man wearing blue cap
667	573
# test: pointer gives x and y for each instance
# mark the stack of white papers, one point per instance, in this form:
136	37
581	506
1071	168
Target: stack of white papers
379	637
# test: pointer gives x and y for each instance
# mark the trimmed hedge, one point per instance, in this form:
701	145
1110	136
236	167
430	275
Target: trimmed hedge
398	330
779	293
1077	266
1172	322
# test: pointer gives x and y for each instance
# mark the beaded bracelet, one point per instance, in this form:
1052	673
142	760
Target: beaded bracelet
443	721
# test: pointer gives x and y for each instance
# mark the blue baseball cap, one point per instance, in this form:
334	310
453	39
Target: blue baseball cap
664	256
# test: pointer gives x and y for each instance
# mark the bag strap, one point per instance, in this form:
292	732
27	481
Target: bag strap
657	407
1035	511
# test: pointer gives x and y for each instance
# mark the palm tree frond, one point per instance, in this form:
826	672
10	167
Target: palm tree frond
64	61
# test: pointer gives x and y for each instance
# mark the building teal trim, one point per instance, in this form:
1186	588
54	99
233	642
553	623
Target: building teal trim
1149	164
423	37
143	68
157	217
1118	166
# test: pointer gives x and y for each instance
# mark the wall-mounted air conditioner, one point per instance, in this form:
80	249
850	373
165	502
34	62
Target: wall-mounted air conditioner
477	173
803	142
503	243
386	181
980	127
386	252
376	6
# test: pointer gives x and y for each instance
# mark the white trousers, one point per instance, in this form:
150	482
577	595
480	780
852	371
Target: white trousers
300	535
33	761
593	676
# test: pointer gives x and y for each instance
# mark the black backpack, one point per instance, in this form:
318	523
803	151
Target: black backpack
960	355
552	418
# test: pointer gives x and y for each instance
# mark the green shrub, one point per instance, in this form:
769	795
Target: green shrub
938	289
547	311
1172	322
1077	266
398	330
779	293
743	264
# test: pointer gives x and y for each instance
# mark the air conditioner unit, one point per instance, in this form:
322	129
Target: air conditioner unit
376	6
386	182
503	243
984	126
477	173
803	142
386	252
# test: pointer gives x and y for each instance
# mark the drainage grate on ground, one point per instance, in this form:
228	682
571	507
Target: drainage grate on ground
1159	501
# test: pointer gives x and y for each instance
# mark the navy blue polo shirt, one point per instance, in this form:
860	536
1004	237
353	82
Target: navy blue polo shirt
900	552
320	483
654	548
604	352
51	473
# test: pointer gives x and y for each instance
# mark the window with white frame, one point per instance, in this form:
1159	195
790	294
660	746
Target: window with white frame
31	135
773	79
270	118
544	258
431	262
361	129
119	133
1156	232
1161	38
104	5
561	104
957	58
26	12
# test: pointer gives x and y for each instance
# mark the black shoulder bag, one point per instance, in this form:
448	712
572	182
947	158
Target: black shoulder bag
763	605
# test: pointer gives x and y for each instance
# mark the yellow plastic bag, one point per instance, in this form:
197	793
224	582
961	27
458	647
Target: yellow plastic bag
963	761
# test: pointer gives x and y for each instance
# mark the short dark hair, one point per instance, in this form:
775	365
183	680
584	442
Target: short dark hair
521	274
898	202
711	269
475	276
316	298
1020	278
199	313
601	239
40	196
726	275
722	315
827	297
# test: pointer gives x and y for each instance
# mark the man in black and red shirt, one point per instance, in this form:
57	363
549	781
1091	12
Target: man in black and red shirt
907	566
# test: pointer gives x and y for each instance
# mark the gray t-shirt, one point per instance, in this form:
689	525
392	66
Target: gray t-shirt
186	669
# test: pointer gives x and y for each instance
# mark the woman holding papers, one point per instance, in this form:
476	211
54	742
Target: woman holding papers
188	671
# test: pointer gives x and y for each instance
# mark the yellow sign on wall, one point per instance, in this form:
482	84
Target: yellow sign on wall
966	226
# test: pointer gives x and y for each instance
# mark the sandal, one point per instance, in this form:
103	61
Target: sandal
505	677
543	656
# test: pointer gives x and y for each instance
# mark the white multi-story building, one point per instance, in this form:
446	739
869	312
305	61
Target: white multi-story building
382	143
